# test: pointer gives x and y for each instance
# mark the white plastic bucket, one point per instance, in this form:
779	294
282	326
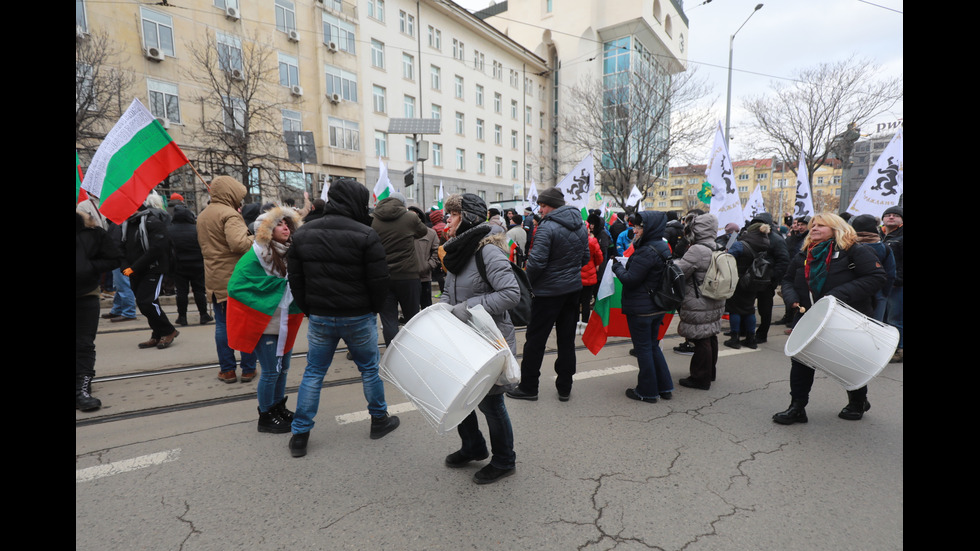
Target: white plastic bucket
842	342
442	365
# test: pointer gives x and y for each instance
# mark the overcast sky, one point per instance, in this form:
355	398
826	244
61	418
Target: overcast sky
783	37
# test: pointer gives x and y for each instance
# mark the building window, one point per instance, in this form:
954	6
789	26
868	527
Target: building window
380	99
741	189
527	115
436	111
158	31
513	109
460	159
380	144
164	102
459	87
344	134
292	121
408	67
229	52
437	154
81	22
541	120
409	107
288	70
481	163
436	74
479	95
410	149
498	70
743	176
513	139
406	23
527	142
514	79
338	32
498	167
234	114
285	16
459	123
479	62
378	54
479	129
819	180
435	38
761	176
513	170
497	101
483	195
376	9
497	134
527	171
341	82
458	48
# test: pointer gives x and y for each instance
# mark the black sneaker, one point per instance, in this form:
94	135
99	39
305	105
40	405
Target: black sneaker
632	395
688	382
459	459
519	394
564	397
381	426
181	320
490	474
206	318
685	348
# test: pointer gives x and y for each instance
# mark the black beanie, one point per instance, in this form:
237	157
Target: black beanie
474	212
865	223
553	197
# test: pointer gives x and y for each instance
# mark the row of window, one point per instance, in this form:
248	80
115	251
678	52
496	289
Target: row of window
381	150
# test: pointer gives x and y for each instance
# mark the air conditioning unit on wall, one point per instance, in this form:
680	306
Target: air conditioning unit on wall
155	54
296	90
332	46
294	36
335	98
233	13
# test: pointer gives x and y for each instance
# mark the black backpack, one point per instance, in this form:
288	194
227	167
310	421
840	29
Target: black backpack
520	315
758	276
670	295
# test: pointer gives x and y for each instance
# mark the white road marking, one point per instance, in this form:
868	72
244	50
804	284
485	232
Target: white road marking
348	418
126	465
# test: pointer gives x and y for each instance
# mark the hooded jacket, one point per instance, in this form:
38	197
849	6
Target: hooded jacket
558	251
645	267
222	234
337	263
700	315
183	234
398	229
95	254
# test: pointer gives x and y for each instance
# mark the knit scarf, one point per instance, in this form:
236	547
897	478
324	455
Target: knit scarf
461	248
817	264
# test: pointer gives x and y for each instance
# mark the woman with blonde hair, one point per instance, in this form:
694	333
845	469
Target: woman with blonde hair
832	263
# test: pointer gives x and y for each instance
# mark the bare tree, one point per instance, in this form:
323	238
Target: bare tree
242	122
102	90
636	122
818	106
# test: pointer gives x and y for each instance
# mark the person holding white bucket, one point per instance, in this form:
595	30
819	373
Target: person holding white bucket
498	292
831	263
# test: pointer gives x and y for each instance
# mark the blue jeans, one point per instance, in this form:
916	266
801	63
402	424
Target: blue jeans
894	315
226	356
360	333
124	301
654	376
501	433
272	382
744	325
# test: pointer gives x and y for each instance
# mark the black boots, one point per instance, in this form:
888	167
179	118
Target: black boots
795	414
83	394
381	426
856	406
280	409
297	444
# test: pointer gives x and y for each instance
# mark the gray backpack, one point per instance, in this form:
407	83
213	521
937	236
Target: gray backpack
721	279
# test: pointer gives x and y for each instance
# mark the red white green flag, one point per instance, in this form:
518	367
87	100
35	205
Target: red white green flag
253	297
134	157
80	194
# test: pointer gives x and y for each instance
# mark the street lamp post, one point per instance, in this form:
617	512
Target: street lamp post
728	107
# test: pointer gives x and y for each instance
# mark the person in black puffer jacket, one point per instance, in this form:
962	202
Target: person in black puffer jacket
339	278
831	263
643	273
753	242
188	269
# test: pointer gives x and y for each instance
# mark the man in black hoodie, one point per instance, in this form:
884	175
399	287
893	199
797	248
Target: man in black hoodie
339	279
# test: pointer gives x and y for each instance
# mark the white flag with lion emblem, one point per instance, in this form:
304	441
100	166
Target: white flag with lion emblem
577	184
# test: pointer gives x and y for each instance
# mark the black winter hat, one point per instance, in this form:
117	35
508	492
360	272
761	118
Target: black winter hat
553	197
474	211
895	210
865	223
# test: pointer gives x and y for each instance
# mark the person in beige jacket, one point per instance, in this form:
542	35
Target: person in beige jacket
224	238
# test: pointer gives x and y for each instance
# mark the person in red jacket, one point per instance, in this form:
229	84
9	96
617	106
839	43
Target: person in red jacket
590	279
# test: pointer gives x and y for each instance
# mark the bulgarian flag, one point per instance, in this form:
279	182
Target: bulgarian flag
440	195
134	157
607	318
512	247
80	194
253	297
383	188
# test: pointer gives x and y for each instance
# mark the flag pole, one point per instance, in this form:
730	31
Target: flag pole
207	185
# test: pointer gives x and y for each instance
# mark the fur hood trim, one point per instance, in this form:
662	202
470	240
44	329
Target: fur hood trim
498	239
267	221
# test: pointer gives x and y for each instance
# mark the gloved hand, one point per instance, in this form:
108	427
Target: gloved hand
462	313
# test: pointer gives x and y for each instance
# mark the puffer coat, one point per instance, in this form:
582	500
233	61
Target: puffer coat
559	250
645	268
700	315
223	235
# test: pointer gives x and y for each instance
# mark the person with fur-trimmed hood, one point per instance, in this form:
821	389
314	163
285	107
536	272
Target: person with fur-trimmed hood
471	235
263	318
